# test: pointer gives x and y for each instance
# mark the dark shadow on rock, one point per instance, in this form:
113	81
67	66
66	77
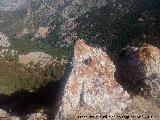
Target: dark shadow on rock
130	75
60	92
54	111
129	72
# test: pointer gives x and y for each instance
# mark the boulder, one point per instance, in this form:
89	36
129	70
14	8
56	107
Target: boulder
140	70
91	88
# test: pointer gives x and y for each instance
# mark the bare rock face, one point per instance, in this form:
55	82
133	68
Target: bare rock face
91	88
140	68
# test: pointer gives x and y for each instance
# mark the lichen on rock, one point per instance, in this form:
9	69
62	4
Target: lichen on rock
140	68
91	86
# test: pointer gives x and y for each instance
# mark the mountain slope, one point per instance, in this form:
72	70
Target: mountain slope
11	5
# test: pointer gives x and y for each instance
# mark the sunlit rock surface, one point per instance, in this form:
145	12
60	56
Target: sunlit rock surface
5	116
91	87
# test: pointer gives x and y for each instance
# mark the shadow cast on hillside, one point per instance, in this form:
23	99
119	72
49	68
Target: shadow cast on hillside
23	102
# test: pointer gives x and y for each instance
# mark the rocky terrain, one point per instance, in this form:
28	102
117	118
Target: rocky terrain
66	11
64	59
91	87
140	70
42	32
11	5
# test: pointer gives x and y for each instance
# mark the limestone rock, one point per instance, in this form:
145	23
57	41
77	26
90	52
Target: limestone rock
5	116
91	88
140	68
37	116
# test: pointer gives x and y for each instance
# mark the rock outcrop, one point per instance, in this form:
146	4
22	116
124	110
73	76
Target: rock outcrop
140	70
5	116
91	88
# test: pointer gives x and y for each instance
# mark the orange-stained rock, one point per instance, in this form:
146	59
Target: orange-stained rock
91	85
140	68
